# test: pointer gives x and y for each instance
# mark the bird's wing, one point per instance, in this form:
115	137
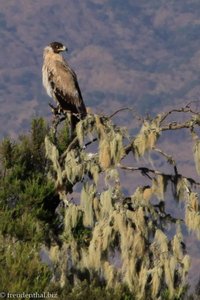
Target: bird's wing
64	82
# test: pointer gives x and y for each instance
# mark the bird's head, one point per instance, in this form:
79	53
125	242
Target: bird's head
57	47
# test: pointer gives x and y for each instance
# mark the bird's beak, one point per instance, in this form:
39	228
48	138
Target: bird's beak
64	48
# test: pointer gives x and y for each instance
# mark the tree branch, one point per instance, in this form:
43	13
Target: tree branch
169	158
185	109
145	171
119	110
71	145
176	126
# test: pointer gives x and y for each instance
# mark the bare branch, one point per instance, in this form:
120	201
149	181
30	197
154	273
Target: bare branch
119	110
189	124
56	121
185	109
145	171
71	145
169	158
176	126
90	142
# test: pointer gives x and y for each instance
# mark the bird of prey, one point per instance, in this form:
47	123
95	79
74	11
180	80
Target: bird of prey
61	84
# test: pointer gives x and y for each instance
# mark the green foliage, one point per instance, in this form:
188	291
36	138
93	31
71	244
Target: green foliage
7	153
63	137
92	291
38	132
81	234
24	215
21	268
27	156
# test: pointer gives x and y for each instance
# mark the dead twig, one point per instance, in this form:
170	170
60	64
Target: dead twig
145	171
119	110
186	109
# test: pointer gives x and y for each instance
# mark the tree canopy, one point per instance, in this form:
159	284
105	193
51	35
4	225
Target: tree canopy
69	223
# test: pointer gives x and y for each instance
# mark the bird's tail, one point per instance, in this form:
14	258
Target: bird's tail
74	121
75	118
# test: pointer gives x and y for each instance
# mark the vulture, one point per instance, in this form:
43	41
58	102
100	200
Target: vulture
61	83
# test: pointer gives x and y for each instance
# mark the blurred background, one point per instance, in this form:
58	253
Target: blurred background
144	55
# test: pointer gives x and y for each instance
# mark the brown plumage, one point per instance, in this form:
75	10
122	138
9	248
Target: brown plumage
60	82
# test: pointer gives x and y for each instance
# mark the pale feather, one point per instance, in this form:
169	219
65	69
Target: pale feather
59	78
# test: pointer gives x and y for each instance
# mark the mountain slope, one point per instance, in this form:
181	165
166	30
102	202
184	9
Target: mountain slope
145	55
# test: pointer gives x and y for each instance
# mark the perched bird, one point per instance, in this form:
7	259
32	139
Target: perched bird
61	84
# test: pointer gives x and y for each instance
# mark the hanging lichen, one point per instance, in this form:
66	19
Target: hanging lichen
110	274
85	128
147	137
116	148
182	188
74	167
101	239
177	243
53	154
106	202
87	196
93	169
162	241
72	217
159	186
192	213
100	127
107	224
139	145
196	153
156	273
104	154
186	261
